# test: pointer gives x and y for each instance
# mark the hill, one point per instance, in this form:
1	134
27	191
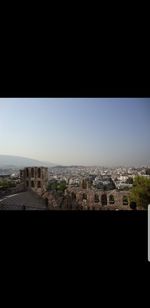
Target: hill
10	161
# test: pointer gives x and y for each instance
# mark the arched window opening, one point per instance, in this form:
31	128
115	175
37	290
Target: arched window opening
104	199
32	183
133	205
96	198
111	199
84	197
39	184
32	172
39	172
27	172
125	200
73	196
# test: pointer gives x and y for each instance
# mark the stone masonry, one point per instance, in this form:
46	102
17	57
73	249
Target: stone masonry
35	178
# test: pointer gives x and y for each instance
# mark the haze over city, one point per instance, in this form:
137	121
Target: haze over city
77	131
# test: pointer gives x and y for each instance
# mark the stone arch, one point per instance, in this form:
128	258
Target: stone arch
111	199
133	205
32	172
96	198
32	183
73	196
125	200
84	196
39	172
27	172
104	199
39	184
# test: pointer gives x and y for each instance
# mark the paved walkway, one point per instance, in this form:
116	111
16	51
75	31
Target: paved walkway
25	200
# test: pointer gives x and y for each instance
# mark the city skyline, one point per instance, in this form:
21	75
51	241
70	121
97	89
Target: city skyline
77	131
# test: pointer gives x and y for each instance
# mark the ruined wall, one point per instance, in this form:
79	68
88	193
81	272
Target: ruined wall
94	198
35	178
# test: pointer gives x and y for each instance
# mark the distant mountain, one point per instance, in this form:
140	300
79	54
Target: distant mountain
9	161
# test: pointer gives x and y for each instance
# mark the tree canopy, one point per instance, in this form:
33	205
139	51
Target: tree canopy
57	186
7	184
140	192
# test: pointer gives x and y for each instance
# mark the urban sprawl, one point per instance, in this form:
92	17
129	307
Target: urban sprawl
68	187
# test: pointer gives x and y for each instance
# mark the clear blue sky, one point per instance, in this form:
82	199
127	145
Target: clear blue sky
77	131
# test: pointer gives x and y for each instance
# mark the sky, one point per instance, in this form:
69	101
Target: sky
77	131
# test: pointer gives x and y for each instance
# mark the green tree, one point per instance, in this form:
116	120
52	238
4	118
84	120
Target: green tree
52	186
62	186
140	192
7	184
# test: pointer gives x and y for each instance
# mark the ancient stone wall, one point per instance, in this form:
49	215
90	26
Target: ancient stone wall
89	198
35	178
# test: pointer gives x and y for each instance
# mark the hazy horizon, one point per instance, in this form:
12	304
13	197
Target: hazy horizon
77	131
